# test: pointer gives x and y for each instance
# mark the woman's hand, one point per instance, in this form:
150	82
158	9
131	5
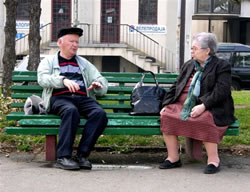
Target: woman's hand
197	110
162	110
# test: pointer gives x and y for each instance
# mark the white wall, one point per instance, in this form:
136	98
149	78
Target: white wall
171	20
86	10
245	7
46	6
129	12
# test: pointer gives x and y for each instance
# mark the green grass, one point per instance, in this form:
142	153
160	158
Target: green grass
126	143
241	97
243	115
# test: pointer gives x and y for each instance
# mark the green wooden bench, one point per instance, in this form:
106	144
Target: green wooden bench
115	102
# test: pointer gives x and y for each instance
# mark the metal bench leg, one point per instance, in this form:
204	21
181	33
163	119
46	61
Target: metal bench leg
51	147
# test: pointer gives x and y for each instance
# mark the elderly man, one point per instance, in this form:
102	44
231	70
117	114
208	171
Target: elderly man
70	84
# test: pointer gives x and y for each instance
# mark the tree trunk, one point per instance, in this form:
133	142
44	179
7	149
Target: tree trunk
34	35
9	56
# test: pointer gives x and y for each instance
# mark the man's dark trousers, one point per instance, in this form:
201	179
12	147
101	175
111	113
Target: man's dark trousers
69	108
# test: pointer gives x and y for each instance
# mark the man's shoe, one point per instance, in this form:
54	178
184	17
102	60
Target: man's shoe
67	164
84	163
168	165
211	169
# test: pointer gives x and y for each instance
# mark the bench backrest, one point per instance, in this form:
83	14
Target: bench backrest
116	100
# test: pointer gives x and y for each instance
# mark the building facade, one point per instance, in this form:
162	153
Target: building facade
228	19
133	35
119	35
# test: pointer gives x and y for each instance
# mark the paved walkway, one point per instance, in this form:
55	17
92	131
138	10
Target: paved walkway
135	172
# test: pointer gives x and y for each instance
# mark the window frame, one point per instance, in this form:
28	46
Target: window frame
142	19
212	7
21	5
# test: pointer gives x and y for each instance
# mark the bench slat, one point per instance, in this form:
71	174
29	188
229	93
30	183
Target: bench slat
16	88
26	78
37	88
111	123
104	106
20	115
107	131
106	74
138	75
22	78
106	97
23	95
136	80
120	122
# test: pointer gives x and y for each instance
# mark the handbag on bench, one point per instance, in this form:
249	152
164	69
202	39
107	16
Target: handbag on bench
146	100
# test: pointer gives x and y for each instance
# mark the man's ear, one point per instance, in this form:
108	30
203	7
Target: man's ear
59	41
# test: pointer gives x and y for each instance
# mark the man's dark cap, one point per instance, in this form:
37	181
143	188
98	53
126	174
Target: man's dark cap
70	30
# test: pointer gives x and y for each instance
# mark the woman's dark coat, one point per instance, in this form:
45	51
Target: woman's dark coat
215	89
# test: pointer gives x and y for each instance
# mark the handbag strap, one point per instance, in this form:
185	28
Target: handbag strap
143	76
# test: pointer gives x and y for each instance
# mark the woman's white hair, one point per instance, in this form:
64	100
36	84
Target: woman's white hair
207	40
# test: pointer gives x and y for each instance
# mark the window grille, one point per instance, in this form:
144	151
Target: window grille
148	11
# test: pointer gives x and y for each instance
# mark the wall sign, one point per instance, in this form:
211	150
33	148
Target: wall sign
24	25
150	29
19	35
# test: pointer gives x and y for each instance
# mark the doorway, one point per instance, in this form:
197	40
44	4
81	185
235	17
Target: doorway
110	21
110	64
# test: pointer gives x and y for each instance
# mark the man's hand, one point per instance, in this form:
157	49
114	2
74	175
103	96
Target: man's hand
197	110
71	85
94	85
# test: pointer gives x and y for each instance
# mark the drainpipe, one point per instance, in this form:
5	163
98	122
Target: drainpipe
182	33
209	25
76	21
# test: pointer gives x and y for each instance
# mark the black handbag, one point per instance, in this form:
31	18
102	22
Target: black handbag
146	100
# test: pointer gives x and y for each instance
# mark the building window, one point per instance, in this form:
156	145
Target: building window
23	10
234	6
204	6
218	6
147	11
61	16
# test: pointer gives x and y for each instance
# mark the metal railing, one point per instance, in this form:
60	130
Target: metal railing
117	35
22	44
134	39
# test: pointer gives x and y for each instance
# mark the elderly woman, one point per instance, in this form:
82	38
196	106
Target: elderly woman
199	105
